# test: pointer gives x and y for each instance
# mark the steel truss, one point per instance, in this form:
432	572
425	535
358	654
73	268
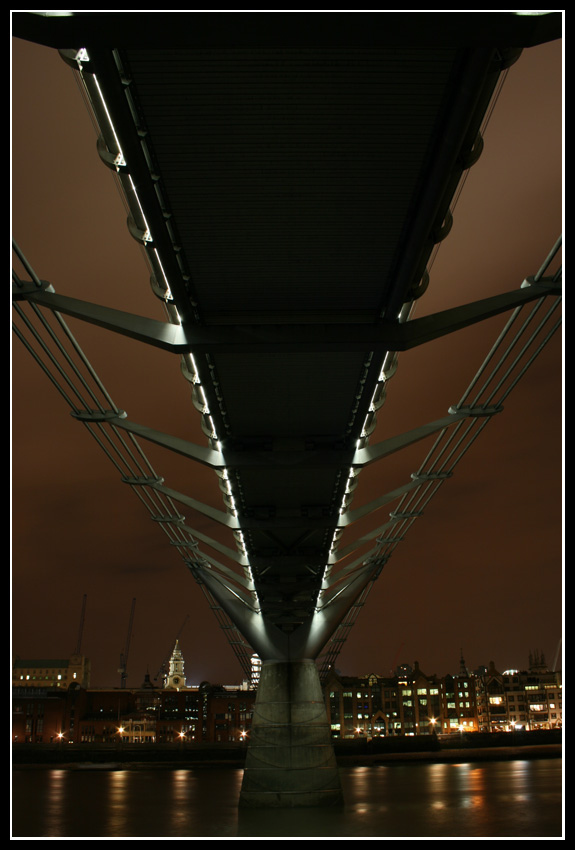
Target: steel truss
345	584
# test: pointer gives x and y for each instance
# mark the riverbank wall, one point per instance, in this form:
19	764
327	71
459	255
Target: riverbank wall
453	748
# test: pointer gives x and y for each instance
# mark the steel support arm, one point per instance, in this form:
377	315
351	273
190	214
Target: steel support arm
201	454
159	334
314	458
229	578
332	578
241	560
381	337
340	584
213	513
365	538
363	457
418	331
264	637
202	573
350	517
307	640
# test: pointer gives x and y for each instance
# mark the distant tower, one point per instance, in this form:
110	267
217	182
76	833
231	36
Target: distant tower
537	663
256	670
175	678
463	671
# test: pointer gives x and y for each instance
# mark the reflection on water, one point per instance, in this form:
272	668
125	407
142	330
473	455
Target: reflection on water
56	790
117	802
481	800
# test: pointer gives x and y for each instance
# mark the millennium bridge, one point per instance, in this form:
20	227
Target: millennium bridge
289	177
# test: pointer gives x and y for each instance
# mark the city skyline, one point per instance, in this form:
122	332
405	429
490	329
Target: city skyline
409	702
481	572
536	660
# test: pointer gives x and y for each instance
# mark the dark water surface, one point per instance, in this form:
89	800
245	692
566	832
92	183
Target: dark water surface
521	799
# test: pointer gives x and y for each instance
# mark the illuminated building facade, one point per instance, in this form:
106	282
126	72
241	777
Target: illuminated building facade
459	708
208	713
37	714
406	704
412	703
50	672
530	700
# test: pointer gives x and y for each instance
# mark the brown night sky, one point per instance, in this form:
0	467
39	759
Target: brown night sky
481	571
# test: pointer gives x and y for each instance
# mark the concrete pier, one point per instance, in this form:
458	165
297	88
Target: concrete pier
290	761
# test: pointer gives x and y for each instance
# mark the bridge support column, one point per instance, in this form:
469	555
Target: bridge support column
290	761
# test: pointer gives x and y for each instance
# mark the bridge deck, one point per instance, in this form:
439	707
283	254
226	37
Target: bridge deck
294	183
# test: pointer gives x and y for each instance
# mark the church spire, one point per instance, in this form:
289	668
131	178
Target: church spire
175	678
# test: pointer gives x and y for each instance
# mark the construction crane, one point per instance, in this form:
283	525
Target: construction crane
123	668
78	649
557	654
163	667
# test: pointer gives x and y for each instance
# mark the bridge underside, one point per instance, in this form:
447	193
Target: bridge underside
288	190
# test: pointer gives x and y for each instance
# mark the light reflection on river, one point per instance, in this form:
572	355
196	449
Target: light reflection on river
479	800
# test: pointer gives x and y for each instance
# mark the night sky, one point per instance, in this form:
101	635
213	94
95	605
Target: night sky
482	571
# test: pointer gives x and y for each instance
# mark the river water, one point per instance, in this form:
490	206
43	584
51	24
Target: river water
508	799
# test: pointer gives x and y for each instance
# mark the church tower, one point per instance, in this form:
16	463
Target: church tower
175	678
